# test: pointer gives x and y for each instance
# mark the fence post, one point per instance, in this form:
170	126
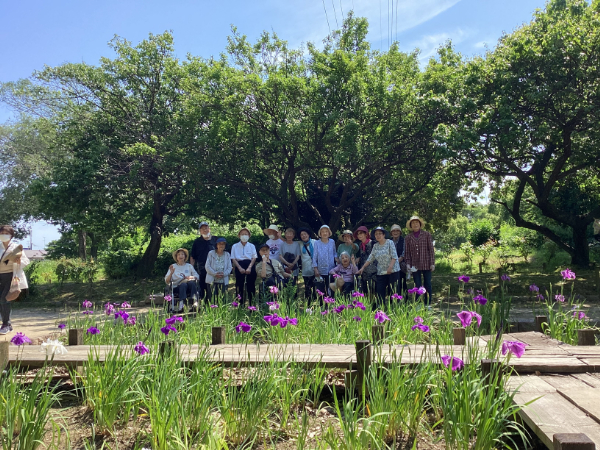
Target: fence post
75	336
218	335
586	337
572	441
165	348
539	323
460	336
378	332
364	356
4	355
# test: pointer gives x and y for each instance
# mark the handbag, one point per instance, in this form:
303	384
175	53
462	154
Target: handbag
15	290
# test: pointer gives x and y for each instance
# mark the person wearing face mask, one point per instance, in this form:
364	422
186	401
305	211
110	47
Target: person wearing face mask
274	241
243	257
200	249
12	259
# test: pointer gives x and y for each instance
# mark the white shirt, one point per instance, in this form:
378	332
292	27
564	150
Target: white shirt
181	272
242	252
275	247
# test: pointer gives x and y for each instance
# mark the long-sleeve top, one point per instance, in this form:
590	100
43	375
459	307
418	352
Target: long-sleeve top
324	257
384	254
182	271
7	266
214	262
347	273
419	251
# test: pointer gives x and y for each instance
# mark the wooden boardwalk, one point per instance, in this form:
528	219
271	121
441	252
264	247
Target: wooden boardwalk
561	382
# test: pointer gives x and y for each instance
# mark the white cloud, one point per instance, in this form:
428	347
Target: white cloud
429	44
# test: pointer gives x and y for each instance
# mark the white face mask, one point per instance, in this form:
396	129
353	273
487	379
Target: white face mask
271	236
244	238
5	237
206	235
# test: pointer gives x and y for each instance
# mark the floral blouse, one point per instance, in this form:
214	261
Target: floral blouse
384	254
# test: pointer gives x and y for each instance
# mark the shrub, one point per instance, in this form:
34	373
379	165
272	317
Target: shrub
482	231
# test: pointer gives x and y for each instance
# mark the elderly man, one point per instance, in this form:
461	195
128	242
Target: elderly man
200	250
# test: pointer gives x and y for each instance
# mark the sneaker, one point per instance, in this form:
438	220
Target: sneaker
180	306
6	329
195	306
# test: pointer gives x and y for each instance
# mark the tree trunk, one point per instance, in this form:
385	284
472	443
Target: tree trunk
94	246
81	239
581	251
146	266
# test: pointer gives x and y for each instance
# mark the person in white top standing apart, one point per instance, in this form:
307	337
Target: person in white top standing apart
243	257
10	254
274	241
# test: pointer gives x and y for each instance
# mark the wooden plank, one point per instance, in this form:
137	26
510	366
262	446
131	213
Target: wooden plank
564	381
549	365
529	384
588	378
551	413
586	399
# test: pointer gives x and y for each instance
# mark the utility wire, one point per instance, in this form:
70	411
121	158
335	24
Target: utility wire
335	14
326	18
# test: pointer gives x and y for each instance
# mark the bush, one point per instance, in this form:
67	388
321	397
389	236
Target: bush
482	231
119	263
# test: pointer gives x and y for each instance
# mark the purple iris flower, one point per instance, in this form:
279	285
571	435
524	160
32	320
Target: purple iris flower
420	326
339	309
273	319
413	290
465	318
171	320
214	306
357	294
480	299
421	290
579	315
109	309
456	363
168	298
381	317
534	288
568	274
540	297
418	319
235	304
324	312
252	308
329	300
464	278
130	320
356	318
505	277
238	297
167	329
514	347
396	297
359	305
62	326
292	321
560	298
93	330
125	305
243	326
121	314
86	304
141	349
320	293
273	305
477	317
87	312
20	339
274	290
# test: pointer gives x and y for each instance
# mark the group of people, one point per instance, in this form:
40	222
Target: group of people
369	263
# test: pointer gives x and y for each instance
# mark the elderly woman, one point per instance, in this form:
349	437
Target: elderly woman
324	256
270	270
218	268
398	240
307	246
12	260
243	257
369	275
184	277
388	269
346	270
289	254
420	255
347	245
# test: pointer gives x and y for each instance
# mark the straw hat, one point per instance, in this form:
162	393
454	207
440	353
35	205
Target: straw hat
184	250
415	218
341	237
272	228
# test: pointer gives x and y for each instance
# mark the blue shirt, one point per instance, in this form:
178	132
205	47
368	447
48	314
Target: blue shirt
324	256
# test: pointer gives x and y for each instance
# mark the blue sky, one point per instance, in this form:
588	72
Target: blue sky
41	32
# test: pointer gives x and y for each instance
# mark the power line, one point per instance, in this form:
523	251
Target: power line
335	14
326	18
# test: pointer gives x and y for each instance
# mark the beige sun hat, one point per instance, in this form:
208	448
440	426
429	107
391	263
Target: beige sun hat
341	237
327	228
184	250
415	218
244	229
396	227
274	228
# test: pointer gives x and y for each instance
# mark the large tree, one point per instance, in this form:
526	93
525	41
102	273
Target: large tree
531	123
325	137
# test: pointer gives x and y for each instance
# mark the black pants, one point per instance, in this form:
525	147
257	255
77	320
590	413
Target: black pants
5	280
367	284
386	286
309	288
245	283
402	285
203	288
